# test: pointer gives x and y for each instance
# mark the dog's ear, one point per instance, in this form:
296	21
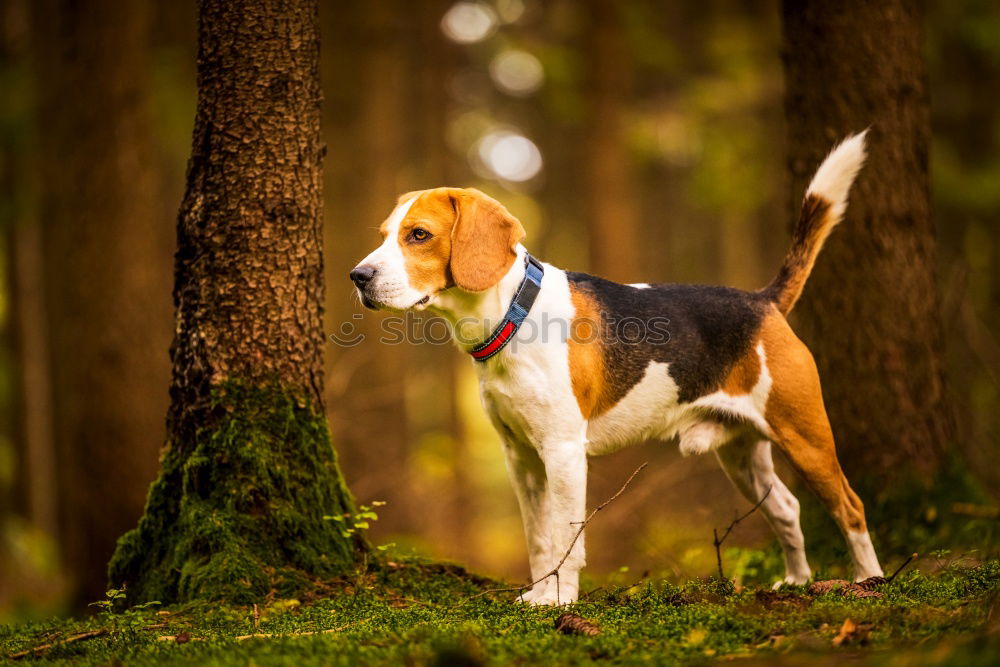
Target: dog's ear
482	240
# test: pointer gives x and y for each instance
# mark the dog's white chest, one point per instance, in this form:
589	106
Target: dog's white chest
531	400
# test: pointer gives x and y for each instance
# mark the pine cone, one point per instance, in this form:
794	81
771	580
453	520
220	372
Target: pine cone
862	589
858	591
571	624
822	587
871	583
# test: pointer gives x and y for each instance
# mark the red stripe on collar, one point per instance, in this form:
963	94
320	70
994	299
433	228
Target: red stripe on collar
519	308
496	343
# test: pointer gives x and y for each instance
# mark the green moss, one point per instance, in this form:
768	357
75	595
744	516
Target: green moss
239	512
427	614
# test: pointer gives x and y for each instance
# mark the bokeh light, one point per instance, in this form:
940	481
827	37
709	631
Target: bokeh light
510	10
469	22
517	72
510	156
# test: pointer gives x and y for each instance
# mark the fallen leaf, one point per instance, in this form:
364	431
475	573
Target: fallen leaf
846	632
852	633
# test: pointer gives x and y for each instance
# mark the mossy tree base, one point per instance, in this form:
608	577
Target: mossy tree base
239	511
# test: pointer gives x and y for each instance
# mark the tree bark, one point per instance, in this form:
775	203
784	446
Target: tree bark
249	472
611	212
105	267
871	311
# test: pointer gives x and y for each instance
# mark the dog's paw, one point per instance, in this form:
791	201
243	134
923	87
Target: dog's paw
547	599
543	595
791	580
527	597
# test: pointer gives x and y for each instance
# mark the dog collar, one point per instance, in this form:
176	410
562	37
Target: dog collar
519	309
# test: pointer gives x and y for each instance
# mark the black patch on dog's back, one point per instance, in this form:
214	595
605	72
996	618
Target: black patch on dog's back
709	327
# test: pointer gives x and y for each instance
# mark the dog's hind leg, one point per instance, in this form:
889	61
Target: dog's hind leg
748	464
800	428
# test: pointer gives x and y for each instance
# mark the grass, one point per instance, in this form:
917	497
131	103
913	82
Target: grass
425	614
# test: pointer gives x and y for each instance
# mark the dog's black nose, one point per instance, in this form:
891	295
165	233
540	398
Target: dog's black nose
362	275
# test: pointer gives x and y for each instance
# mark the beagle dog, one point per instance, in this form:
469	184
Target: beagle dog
571	365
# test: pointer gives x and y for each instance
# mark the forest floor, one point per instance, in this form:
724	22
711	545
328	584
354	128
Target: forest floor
415	613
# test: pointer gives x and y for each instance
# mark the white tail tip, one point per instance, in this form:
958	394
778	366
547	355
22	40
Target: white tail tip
834	177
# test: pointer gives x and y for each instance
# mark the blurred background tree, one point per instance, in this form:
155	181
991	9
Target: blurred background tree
103	267
520	98
872	312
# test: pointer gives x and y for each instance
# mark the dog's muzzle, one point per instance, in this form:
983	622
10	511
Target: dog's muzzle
361	276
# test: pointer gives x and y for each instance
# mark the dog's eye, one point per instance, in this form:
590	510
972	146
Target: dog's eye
419	234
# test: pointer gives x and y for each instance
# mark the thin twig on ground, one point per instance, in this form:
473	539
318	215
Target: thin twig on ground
80	636
717	541
900	568
90	634
262	635
554	572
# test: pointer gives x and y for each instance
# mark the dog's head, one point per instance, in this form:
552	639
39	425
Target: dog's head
435	240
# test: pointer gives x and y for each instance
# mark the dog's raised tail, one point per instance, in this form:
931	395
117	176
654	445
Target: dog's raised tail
822	208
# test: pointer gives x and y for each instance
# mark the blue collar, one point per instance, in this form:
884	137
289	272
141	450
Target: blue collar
518	310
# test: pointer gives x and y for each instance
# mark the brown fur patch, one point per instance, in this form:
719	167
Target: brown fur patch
743	376
587	368
811	230
472	244
800	426
428	263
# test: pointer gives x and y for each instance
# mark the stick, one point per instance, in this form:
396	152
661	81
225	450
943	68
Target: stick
716	542
90	634
261	635
900	568
555	571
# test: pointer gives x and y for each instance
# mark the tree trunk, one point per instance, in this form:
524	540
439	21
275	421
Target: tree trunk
26	418
611	212
249	472
871	311
105	268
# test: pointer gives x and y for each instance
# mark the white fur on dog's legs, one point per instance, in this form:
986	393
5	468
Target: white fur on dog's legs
566	505
527	475
748	464
863	555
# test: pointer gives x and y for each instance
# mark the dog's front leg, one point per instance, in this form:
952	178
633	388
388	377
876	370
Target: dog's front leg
565	504
527	475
